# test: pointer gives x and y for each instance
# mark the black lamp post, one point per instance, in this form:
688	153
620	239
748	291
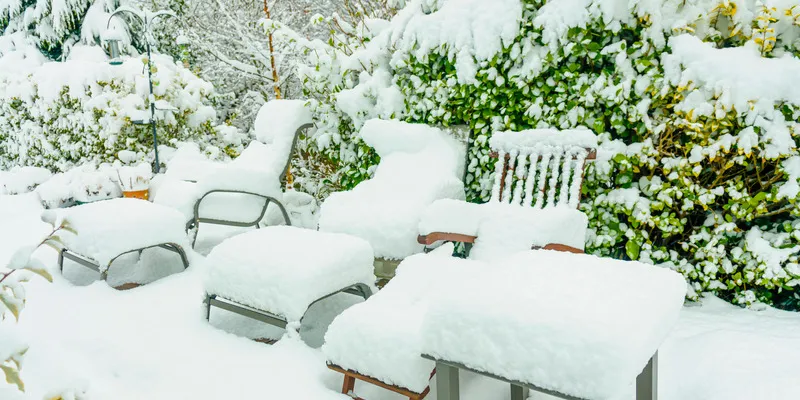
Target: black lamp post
147	19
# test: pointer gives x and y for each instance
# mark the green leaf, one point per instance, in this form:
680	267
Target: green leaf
632	249
11	305
41	272
12	377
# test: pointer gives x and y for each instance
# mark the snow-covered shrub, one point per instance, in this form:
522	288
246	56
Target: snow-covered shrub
55	26
60	114
693	99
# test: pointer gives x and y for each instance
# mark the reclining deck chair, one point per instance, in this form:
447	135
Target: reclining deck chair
498	318
238	193
419	165
537	182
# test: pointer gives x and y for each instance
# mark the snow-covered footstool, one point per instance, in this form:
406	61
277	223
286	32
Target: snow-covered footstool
379	341
275	274
574	326
102	231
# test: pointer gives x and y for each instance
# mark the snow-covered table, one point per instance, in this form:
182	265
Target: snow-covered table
570	325
275	274
102	231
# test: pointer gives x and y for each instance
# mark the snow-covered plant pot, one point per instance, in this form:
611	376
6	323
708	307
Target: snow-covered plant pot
135	181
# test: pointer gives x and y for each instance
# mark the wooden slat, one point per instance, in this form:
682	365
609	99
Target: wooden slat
434	237
559	247
591	155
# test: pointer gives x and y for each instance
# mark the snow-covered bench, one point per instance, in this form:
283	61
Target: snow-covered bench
537	182
275	274
419	165
238	193
571	325
568	323
102	231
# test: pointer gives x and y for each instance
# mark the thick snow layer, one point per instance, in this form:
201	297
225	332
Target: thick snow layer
107	229
22	180
509	140
276	124
284	269
419	164
742	80
154	343
577	324
381	337
471	29
20	224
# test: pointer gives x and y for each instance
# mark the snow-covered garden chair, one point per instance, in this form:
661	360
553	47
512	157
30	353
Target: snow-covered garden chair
238	193
500	318
534	199
419	165
275	274
102	231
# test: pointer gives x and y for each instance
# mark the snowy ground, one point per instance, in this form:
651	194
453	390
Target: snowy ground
153	342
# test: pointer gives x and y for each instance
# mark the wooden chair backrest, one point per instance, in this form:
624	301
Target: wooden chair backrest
540	176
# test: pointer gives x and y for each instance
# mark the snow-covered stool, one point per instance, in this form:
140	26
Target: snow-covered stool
275	274
570	325
102	231
379	341
537	180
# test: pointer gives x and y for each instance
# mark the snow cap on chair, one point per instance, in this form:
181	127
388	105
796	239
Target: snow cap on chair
508	140
276	125
577	324
109	228
419	164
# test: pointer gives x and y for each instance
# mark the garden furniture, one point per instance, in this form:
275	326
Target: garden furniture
537	182
102	231
276	273
238	193
419	164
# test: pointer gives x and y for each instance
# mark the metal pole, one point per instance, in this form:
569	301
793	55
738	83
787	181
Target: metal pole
157	164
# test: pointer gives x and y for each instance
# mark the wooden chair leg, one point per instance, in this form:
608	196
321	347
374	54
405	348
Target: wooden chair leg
349	384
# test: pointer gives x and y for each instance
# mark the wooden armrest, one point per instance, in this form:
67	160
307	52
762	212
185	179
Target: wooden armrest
559	247
434	237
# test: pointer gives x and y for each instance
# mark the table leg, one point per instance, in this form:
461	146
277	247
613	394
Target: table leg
518	392
647	381
446	382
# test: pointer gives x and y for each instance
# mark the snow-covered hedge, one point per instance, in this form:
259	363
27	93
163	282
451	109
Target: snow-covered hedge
694	101
60	114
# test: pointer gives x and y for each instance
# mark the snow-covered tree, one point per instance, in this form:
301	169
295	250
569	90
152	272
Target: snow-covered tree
56	25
